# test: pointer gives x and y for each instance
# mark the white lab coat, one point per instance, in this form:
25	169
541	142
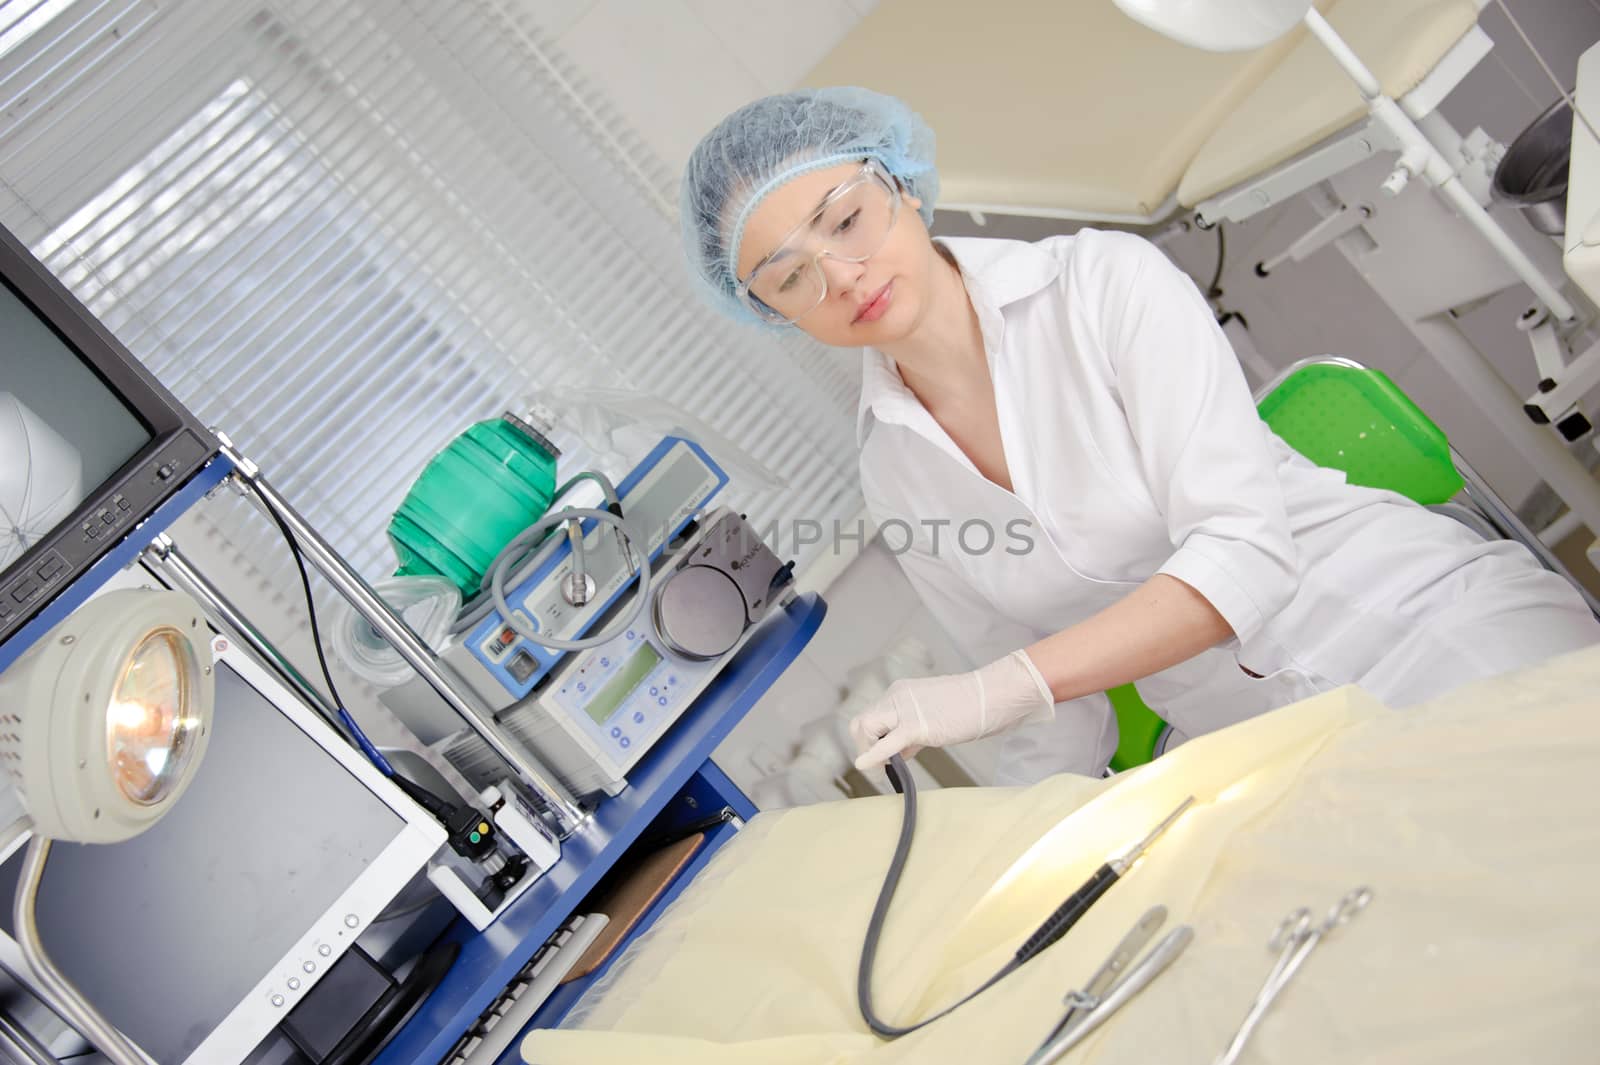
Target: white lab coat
1134	448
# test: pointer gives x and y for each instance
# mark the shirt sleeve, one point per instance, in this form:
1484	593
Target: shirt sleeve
1205	453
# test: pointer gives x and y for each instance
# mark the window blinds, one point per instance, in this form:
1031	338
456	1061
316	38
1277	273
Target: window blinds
342	230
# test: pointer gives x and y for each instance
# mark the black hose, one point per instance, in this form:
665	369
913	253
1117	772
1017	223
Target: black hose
900	779
1213	291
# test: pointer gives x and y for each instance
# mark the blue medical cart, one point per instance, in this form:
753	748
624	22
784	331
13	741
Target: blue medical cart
675	785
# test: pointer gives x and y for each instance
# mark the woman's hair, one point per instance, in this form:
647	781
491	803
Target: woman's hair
766	143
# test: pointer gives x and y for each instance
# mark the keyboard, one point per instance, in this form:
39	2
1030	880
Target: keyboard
499	1025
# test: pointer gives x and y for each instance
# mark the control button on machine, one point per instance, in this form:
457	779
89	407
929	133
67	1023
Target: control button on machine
309	966
626	742
662	701
324	949
277	1000
638	718
615	733
351	920
522	665
294	983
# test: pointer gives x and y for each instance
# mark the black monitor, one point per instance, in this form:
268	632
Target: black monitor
90	443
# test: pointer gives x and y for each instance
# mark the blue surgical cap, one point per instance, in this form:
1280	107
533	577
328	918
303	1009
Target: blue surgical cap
777	138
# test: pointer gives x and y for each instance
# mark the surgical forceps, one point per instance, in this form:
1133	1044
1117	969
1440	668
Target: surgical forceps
1293	939
1123	975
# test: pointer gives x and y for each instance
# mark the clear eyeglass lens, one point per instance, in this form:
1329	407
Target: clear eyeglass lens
852	227
151	726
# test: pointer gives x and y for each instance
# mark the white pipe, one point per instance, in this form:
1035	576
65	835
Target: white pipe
1467	365
1343	54
1421	157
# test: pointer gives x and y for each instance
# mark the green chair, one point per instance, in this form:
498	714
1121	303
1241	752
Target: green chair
1345	416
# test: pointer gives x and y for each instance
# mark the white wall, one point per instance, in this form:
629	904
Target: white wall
676	67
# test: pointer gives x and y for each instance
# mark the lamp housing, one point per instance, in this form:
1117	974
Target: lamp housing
104	722
1218	25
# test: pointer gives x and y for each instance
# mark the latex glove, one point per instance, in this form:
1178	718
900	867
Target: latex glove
937	711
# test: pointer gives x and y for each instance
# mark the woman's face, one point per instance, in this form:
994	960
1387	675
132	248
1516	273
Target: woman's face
868	303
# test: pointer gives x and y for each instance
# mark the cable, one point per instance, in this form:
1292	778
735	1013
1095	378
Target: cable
469	834
1213	290
1052	929
900	778
481	605
374	755
497	580
606	487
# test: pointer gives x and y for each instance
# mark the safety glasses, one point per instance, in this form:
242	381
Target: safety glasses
851	224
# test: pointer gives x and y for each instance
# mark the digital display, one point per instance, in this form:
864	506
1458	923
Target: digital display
634	670
62	430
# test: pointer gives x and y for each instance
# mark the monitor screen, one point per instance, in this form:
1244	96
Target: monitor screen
63	431
168	932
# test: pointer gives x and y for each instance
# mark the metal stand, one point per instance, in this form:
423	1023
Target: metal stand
1419	157
59	990
559	803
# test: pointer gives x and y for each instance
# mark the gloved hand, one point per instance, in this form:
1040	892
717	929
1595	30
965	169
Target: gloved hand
936	711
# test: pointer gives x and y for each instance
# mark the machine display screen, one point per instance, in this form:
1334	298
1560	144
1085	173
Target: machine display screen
168	931
607	699
63	431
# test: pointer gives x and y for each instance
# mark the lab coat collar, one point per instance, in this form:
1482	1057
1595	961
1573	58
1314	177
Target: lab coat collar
996	273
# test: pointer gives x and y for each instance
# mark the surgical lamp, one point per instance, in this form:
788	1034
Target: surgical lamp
102	726
1240	25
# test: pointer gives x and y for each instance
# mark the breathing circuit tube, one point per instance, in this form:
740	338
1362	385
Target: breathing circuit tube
531	535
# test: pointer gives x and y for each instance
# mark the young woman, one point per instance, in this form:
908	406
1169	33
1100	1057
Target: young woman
1060	438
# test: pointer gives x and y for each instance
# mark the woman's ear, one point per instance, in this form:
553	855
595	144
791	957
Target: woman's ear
914	202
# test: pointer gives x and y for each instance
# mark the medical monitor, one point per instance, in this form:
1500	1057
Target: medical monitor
198	937
90	443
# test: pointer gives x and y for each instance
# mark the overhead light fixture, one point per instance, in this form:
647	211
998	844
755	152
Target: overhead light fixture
103	724
1219	25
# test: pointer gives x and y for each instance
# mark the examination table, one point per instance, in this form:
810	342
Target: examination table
1472	819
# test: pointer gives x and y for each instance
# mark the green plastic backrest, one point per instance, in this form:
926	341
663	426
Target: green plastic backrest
1356	420
1138	728
1347	418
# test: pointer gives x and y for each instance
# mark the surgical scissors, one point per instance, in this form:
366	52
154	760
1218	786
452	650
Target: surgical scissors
1293	939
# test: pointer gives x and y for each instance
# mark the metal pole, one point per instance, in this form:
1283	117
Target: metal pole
170	560
59	990
371	606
